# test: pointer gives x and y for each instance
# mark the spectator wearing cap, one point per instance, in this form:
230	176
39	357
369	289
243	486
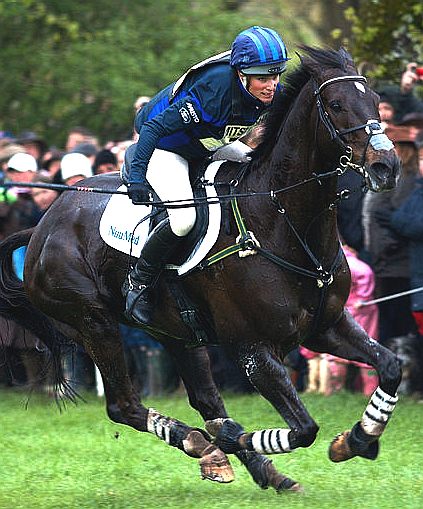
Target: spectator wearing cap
386	111
140	102
75	167
20	213
43	198
7	150
51	162
21	168
105	162
402	96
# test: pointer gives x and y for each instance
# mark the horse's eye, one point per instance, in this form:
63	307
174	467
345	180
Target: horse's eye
335	106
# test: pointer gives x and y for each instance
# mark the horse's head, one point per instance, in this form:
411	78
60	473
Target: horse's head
348	118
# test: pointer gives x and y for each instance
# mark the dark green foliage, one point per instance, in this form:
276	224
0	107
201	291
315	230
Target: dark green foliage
386	34
83	62
73	63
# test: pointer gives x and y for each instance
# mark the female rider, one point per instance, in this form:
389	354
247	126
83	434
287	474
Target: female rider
214	104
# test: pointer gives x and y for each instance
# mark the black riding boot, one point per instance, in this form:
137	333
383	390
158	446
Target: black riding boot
143	277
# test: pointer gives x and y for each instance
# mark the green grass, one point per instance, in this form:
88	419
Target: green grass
73	460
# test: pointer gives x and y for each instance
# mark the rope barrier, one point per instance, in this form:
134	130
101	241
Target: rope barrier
392	296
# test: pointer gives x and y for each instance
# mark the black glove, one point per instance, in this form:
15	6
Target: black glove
139	192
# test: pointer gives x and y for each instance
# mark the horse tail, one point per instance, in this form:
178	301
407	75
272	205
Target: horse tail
15	305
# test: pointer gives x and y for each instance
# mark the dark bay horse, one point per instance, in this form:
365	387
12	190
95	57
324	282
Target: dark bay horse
291	292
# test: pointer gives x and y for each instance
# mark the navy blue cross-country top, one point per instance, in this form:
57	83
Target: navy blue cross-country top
204	110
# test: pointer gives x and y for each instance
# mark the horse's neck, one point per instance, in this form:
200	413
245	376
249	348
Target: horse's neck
294	159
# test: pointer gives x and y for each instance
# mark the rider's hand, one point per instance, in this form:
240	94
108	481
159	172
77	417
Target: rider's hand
139	193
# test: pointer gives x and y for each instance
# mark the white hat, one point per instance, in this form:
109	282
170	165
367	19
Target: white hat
75	163
22	162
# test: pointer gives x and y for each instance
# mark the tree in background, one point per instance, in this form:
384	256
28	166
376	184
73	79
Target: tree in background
83	62
385	35
70	62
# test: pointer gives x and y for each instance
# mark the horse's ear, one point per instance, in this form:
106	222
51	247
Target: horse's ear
299	57
347	57
306	60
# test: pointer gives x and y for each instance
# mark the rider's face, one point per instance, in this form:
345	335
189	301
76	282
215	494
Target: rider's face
263	87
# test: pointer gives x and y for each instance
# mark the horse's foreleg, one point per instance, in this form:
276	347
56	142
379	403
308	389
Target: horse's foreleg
194	368
271	379
349	341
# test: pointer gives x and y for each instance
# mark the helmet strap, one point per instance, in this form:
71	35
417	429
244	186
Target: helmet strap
244	80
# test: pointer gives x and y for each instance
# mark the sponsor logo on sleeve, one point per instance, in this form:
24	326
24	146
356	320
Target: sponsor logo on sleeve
193	113
185	115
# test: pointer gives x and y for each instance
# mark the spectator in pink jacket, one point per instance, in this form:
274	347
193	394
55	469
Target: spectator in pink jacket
331	370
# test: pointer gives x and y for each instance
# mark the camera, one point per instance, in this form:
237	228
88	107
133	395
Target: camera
417	70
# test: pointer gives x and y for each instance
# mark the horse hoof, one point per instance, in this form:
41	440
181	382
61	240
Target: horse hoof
216	467
295	488
339	450
266	475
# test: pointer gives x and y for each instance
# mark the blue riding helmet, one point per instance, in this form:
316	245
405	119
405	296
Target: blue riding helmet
259	50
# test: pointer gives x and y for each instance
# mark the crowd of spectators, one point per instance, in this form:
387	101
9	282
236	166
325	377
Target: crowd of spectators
382	235
28	158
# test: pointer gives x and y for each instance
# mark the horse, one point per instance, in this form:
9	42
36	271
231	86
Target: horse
291	290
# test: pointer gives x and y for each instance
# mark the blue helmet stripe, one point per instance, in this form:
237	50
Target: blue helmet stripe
271	37
258	44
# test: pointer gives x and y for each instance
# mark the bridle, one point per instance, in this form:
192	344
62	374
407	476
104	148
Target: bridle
371	127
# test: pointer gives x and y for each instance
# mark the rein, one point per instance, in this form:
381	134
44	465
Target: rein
174	204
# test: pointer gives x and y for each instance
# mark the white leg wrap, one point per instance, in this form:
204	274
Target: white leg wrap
378	411
271	441
158	425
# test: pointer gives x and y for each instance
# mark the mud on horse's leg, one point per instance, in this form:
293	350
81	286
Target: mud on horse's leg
363	439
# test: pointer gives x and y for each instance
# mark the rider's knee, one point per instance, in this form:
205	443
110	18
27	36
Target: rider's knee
183	222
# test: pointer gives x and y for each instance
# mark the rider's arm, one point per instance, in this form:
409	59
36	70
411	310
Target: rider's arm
167	122
208	102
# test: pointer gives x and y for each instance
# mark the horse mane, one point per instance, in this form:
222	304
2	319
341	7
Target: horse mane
313	59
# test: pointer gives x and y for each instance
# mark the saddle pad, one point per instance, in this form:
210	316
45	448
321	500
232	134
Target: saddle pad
120	229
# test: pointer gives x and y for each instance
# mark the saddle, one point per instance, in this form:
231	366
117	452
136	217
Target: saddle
191	251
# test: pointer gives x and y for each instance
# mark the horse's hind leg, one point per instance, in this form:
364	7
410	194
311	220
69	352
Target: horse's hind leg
349	341
102	341
194	369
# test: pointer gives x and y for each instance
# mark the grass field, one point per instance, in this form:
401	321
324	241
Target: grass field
74	460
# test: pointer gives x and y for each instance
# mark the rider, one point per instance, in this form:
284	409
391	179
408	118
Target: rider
216	102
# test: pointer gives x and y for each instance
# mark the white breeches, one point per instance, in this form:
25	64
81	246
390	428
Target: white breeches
168	175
